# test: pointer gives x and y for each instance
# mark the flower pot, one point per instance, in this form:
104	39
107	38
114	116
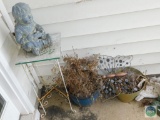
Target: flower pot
124	97
85	101
130	97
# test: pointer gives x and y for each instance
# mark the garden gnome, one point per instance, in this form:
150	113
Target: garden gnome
29	34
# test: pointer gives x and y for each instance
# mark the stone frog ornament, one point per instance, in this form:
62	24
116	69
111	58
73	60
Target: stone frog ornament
29	34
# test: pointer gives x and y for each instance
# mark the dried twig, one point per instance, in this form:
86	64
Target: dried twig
81	75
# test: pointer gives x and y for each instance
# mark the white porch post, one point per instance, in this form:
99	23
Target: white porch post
6	17
12	85
17	94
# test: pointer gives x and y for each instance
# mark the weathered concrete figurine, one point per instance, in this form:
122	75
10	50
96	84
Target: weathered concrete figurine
30	35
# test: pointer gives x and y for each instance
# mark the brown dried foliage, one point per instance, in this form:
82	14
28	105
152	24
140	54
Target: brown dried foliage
81	75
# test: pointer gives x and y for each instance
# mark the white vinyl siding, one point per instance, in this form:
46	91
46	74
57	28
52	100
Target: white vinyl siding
110	27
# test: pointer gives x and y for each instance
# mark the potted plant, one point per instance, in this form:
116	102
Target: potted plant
119	78
82	79
131	85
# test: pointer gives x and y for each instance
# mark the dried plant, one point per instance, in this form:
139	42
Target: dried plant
81	75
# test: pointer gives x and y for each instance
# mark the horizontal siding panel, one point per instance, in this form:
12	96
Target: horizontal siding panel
138	60
145	69
122	49
106	24
111	38
113	28
58	11
90	9
149	69
146	59
34	4
3	32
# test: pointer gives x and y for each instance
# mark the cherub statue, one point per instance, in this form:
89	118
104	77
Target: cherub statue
29	34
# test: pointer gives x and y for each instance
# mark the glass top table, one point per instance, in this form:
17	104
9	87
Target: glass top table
50	53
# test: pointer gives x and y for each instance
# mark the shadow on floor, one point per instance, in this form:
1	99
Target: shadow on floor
58	109
57	113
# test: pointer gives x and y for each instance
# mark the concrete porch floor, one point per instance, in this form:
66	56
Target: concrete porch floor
58	109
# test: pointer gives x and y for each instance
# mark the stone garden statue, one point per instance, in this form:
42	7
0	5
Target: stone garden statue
29	34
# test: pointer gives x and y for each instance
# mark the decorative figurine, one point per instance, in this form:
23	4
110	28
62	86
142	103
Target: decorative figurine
29	34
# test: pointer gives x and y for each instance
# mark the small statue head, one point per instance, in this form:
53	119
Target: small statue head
22	13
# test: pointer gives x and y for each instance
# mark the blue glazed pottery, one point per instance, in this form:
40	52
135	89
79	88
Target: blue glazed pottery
85	101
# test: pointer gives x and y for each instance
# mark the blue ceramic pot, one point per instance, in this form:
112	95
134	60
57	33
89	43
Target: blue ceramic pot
85	101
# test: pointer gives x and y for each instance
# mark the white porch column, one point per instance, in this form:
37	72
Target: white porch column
6	17
15	91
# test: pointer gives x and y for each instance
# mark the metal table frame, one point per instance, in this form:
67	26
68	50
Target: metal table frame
27	60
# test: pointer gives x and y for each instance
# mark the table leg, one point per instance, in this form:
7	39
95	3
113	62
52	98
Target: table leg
39	100
65	86
33	86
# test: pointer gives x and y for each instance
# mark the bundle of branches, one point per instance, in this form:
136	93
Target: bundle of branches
81	75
